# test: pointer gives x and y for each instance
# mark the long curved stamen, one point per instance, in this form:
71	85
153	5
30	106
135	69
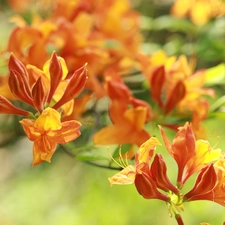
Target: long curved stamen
121	162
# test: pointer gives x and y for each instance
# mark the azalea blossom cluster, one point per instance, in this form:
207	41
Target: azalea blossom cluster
71	55
149	174
43	92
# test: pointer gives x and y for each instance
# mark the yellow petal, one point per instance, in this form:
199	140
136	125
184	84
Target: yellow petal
126	176
145	148
137	116
48	120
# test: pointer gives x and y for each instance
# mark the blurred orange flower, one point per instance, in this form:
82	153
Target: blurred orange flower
177	89
199	11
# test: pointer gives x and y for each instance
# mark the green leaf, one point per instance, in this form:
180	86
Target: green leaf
121	149
217	104
173	24
146	23
215	75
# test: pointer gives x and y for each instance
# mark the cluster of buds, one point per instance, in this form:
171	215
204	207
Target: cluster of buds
192	156
47	94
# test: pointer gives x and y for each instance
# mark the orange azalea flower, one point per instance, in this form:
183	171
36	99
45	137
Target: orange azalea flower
128	127
31	39
48	87
140	173
149	63
191	155
47	131
117	90
199	11
103	31
182	149
128	114
176	89
150	178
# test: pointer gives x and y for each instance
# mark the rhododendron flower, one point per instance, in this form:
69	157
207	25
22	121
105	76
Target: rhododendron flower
140	174
127	113
149	174
190	155
50	87
47	131
127	127
103	31
177	89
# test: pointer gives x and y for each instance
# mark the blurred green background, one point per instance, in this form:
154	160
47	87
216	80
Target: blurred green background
69	192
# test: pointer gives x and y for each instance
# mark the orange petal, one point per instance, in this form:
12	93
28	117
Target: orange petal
6	107
69	132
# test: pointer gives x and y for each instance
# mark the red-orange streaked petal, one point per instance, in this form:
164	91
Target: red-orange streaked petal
125	176
158	172
16	65
204	184
56	73
74	87
39	95
146	187
6	107
182	148
157	81
19	87
176	95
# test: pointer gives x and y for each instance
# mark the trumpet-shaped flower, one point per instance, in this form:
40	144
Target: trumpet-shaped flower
50	87
177	89
140	174
127	127
150	176
48	131
191	155
182	149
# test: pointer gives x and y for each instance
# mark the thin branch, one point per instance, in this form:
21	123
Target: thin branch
73	155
